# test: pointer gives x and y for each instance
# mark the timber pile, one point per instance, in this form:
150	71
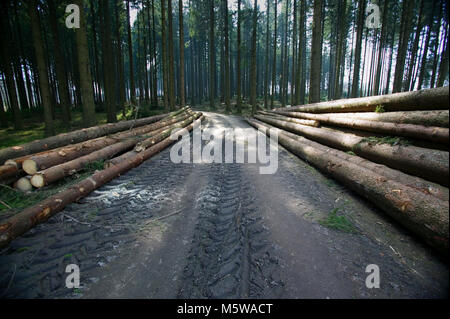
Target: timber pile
398	159
118	150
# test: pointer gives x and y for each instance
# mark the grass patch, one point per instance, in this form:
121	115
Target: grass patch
338	222
68	256
22	249
379	109
13	200
351	153
393	141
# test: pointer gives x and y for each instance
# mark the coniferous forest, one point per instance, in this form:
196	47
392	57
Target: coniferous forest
244	54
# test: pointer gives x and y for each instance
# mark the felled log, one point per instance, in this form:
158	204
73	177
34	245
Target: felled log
427	99
439	118
23	184
429	164
417	183
142	146
432	134
37	163
421	213
20	223
73	137
57	172
292	119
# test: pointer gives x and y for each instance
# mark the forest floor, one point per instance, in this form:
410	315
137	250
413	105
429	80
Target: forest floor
166	230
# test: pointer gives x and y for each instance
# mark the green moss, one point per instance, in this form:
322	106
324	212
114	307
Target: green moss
338	222
393	141
351	153
379	109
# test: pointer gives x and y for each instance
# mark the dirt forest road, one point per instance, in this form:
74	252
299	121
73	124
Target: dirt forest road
166	230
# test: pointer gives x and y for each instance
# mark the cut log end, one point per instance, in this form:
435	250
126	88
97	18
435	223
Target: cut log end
11	162
30	167
38	180
23	184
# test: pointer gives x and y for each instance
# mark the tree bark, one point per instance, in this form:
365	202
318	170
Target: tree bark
290	119
357	60
130	58
42	66
420	212
182	85
87	92
61	75
429	164
432	134
73	137
274	57
427	99
253	79
57	172
316	54
22	222
48	159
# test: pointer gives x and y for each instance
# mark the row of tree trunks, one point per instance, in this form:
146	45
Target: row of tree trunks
433	134
60	171
429	164
20	223
73	137
421	213
439	118
37	163
415	182
291	119
428	99
142	146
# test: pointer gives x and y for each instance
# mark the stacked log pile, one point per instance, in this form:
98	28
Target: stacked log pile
397	157
118	150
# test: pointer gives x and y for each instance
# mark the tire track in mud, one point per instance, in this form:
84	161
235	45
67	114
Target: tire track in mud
231	256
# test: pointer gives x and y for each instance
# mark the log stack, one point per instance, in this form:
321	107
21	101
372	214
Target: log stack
396	157
118	150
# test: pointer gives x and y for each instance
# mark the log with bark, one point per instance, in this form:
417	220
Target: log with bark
142	146
432	134
74	137
43	161
57	172
422	185
292	119
421	213
20	223
439	118
429	164
427	99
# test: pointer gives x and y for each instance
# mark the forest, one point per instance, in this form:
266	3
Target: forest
338	111
238	55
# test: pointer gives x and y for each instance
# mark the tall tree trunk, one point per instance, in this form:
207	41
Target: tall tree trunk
164	55
155	67
294	52
61	75
274	61
180	19
42	66
227	57
239	62
96	72
357	60
425	50
405	29
121	78
443	66
316	54
171	58
253	62
407	85
130	57
87	92
266	73
285	73
108	63
212	62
